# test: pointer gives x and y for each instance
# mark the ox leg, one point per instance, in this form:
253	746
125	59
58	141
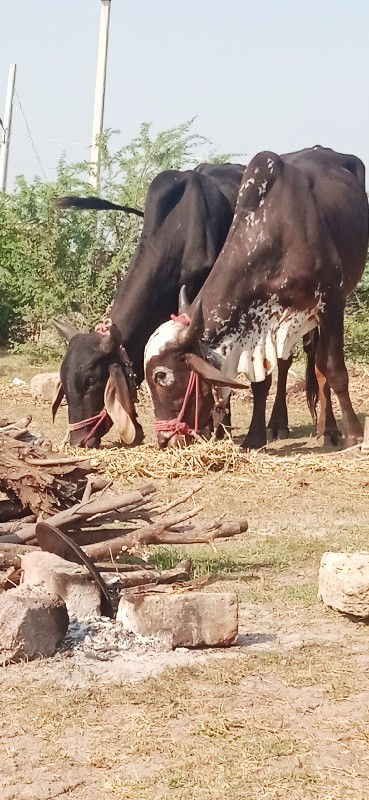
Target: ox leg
256	437
225	426
327	427
330	362
278	423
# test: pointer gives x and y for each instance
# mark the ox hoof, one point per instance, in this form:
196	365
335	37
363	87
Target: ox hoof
333	437
277	432
354	439
250	443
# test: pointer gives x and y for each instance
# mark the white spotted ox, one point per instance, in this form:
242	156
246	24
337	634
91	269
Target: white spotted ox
296	248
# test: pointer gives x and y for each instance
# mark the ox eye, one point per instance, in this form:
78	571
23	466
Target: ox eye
163	376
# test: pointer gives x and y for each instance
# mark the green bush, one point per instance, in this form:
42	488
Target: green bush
55	262
68	263
357	321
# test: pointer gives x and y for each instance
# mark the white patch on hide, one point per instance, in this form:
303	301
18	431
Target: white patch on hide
271	333
164	334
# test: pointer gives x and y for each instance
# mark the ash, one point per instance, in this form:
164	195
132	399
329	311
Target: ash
104	639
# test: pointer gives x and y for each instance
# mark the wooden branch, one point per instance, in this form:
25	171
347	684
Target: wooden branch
180	573
10	579
116	567
202	534
56	462
163	533
82	511
21	424
13	524
178	500
10	554
87	491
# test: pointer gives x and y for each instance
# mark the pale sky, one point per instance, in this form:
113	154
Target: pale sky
268	74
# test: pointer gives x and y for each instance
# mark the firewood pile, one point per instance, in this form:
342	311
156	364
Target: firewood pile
65	491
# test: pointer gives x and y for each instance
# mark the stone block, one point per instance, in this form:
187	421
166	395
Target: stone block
343	582
182	619
32	623
42	386
72	582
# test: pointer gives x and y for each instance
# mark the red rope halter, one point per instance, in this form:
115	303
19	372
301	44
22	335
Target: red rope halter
98	418
104	329
177	425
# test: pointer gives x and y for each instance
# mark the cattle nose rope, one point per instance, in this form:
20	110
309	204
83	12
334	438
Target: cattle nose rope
98	418
177	425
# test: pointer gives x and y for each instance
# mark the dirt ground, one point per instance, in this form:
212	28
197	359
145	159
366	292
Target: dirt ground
282	714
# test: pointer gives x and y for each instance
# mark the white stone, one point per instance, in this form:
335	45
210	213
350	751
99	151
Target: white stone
182	619
32	623
344	582
42	386
72	582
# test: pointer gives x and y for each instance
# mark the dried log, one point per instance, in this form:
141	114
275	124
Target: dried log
83	511
163	533
56	462
13	524
10	428
10	554
116	567
85	536
10	579
180	573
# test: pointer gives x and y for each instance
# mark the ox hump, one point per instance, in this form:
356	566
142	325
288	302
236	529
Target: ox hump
258	179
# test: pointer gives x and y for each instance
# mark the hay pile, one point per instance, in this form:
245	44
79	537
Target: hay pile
201	459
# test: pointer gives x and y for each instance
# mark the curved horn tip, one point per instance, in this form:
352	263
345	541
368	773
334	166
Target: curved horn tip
183	301
65	329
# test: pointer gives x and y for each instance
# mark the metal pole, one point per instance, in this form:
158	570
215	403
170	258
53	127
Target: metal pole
98	120
7	124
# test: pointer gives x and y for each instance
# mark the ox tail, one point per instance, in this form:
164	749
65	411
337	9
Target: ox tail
94	203
312	387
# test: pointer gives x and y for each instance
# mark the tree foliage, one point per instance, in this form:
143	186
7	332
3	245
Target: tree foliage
56	262
67	263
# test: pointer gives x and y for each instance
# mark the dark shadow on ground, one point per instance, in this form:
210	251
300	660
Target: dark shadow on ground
251	639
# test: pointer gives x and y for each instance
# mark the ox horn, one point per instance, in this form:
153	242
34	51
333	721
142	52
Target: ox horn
193	333
183	301
65	329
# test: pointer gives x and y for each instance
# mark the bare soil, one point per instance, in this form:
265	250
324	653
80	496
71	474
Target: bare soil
282	714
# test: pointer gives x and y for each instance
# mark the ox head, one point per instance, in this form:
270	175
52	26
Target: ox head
94	376
174	353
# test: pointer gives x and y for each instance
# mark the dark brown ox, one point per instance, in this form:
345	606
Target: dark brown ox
296	248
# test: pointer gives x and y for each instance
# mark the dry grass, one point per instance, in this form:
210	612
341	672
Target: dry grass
206	458
256	726
288	719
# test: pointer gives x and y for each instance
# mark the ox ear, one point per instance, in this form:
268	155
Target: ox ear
57	398
183	301
211	374
119	406
65	329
